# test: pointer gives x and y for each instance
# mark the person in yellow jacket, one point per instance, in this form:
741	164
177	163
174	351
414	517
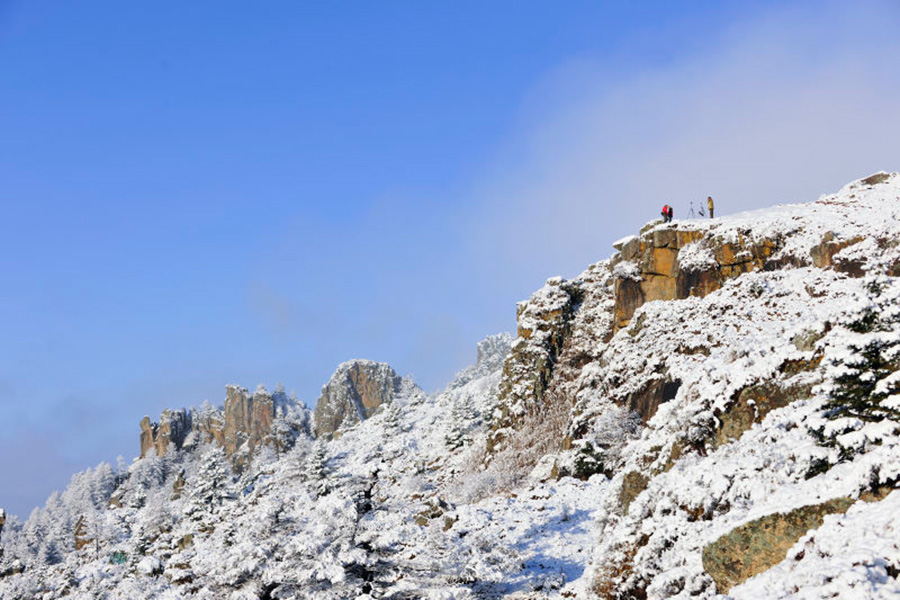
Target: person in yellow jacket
709	203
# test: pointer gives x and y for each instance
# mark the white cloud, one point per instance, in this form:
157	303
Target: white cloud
781	109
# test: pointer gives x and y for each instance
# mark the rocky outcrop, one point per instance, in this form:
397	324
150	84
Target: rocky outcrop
244	423
752	404
543	324
647	401
761	544
672	264
248	419
633	483
356	390
171	430
561	328
80	535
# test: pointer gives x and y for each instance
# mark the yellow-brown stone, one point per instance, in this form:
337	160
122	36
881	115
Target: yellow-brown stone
661	277
758	546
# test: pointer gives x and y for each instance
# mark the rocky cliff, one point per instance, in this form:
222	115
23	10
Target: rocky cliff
171	430
356	390
245	422
564	326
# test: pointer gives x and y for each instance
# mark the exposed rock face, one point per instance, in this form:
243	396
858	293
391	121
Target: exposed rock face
561	328
646	401
354	393
248	418
246	422
81	534
543	324
172	429
761	544
753	403
656	269
632	485
209	423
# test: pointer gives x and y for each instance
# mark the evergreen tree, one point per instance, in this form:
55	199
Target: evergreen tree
210	486
317	468
462	415
863	382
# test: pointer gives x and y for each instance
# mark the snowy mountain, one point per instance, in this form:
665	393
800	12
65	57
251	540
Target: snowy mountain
713	412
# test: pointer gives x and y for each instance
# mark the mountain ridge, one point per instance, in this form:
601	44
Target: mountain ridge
656	421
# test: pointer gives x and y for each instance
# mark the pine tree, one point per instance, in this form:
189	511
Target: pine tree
462	415
317	468
210	486
863	380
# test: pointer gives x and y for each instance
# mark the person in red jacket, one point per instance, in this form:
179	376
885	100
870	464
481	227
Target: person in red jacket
666	213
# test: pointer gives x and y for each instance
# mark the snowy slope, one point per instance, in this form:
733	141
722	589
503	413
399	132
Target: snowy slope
416	501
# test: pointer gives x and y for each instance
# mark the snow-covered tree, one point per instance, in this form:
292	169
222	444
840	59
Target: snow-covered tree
211	484
863	373
317	467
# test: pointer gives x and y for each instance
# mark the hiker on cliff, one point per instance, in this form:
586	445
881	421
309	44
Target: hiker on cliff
666	213
709	203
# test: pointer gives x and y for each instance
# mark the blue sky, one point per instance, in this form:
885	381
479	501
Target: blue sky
196	194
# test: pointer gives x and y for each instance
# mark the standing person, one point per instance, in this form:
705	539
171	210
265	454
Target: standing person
670	214
709	203
665	213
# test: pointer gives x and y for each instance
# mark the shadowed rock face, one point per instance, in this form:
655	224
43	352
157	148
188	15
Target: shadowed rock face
354	393
647	401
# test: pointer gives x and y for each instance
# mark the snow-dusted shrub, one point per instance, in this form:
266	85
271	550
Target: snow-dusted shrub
601	450
542	431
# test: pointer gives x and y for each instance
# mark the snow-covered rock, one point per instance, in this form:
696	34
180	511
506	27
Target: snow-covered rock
356	390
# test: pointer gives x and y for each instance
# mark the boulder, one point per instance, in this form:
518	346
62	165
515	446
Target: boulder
752	404
759	545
